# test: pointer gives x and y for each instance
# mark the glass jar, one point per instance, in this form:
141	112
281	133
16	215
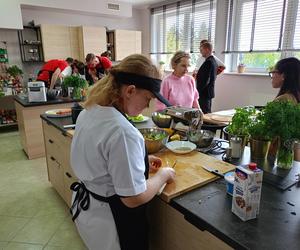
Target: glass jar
236	147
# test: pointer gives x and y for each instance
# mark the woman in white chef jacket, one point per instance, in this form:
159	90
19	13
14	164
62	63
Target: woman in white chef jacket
109	158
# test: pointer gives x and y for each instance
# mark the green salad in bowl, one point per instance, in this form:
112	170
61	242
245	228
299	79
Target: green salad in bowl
155	139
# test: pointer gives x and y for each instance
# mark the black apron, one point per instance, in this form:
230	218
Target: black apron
131	223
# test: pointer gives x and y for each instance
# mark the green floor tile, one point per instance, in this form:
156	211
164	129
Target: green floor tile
39	230
3	244
23	246
67	236
9	227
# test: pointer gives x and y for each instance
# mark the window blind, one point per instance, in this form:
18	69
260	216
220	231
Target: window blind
263	26
182	25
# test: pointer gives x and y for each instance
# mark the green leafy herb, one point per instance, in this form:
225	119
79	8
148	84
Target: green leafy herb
14	71
241	121
74	81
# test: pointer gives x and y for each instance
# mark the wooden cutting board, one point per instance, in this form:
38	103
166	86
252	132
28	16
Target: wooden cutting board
189	171
217	119
70	132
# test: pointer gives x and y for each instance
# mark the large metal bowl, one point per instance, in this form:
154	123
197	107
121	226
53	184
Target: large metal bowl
161	120
154	145
202	138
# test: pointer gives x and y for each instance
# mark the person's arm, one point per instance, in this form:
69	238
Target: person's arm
154	183
54	77
196	95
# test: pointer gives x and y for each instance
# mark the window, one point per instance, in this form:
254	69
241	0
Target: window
260	32
181	26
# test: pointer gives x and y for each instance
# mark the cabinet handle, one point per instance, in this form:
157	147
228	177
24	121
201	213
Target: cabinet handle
52	158
69	175
50	141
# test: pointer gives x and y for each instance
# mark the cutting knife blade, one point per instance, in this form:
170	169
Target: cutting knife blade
213	171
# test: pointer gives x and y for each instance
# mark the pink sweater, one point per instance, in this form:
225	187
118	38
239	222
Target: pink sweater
179	91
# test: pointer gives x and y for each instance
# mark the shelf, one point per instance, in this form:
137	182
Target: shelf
33	34
31	44
8	124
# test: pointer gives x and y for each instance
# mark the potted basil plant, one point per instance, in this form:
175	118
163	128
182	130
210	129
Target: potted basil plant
77	84
240	123
260	137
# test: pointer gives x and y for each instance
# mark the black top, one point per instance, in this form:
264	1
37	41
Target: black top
25	103
206	78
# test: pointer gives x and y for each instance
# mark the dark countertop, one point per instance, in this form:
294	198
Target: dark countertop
277	226
24	101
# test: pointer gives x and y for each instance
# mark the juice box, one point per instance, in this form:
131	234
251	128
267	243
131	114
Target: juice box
247	191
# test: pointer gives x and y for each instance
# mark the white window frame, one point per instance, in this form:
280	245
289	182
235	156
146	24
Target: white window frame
288	39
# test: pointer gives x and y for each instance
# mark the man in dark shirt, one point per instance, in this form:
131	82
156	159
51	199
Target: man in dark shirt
206	77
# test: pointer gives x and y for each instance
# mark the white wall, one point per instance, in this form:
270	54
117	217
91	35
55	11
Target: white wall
10	10
242	90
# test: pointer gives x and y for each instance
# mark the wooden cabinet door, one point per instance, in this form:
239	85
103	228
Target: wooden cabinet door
91	40
56	41
74	42
127	42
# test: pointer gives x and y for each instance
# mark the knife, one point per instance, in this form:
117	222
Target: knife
213	171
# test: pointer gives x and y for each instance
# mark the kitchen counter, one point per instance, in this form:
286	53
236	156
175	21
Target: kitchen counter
29	123
202	218
25	103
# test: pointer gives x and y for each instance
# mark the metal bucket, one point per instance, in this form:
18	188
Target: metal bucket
259	148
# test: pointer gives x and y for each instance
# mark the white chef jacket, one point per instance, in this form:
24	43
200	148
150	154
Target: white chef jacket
107	155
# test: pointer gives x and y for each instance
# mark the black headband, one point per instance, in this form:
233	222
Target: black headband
142	82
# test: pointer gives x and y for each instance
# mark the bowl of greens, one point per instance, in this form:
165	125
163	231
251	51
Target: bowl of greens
161	120
155	139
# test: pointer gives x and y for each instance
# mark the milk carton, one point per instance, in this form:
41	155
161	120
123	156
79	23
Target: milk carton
247	191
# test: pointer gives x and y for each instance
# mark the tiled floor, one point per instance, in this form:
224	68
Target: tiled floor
32	214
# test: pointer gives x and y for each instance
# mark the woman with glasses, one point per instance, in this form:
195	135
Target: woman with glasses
286	77
179	88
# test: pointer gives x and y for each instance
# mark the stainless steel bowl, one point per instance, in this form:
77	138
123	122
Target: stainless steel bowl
202	138
161	120
154	145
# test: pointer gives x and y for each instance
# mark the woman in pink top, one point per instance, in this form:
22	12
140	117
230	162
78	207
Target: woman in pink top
179	88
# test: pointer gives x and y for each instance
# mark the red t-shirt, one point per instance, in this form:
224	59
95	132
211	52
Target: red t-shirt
104	63
49	68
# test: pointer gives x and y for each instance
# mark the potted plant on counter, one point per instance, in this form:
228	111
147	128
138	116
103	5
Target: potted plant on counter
240	123
260	136
77	84
283	118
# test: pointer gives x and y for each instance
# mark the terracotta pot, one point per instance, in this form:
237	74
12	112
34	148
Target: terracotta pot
241	69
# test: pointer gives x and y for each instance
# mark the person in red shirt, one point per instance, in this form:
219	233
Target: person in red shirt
96	67
54	69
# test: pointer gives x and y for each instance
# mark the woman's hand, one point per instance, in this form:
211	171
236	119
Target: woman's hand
154	163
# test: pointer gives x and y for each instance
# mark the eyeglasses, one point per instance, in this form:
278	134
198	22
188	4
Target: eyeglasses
271	73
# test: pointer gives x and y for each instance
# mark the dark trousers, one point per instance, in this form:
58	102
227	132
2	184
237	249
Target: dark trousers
205	105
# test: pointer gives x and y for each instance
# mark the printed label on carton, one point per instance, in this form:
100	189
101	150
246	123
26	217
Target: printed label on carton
246	193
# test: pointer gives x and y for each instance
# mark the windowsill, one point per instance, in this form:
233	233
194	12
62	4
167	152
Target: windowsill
246	74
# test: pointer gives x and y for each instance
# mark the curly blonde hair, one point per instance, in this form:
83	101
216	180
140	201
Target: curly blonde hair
107	92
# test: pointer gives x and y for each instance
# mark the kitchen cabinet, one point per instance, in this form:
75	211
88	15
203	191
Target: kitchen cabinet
123	43
30	126
56	41
60	41
168	229
91	40
30	42
60	174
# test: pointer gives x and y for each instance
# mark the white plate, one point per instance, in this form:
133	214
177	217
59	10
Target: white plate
55	113
181	147
145	118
